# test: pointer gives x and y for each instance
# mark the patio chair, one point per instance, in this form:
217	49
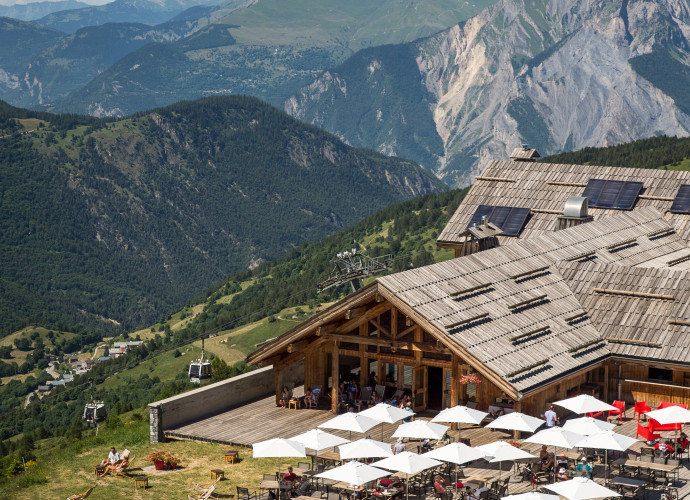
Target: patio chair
620	411
203	488
380	390
123	469
81	496
303	465
364	398
641	407
203	496
243	494
646	433
396	397
269	477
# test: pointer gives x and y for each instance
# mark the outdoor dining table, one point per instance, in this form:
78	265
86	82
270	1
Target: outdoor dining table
333	456
634	485
267	484
639	464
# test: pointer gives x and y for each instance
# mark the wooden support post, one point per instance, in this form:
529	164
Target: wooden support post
279	384
363	368
606	382
335	376
518	407
394	323
454	377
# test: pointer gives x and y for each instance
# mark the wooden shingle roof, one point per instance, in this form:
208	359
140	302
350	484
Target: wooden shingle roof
544	188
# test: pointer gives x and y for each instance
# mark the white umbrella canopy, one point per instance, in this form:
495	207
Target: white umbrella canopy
365	448
457	453
607	440
353	422
587	426
499	451
353	472
584	403
581	488
383	412
531	495
421	429
516	421
407	462
460	415
670	415
556	436
278	447
318	440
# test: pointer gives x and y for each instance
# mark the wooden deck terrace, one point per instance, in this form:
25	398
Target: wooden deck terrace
262	420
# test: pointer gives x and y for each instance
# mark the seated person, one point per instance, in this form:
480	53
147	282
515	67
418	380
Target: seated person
562	461
285	397
304	487
562	473
444	440
493	413
308	398
584	468
663	448
439	486
124	462
290	478
480	489
545	459
385	482
426	445
682	442
113	457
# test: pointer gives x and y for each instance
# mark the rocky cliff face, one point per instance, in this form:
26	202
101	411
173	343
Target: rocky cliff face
556	74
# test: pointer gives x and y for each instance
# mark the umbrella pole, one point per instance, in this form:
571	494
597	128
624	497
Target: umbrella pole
381	431
407	486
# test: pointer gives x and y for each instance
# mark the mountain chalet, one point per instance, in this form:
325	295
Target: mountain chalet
567	279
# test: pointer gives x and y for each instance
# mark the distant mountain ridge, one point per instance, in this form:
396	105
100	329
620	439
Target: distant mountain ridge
556	74
36	10
110	224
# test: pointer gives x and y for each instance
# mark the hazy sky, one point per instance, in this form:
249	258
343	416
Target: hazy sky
24	2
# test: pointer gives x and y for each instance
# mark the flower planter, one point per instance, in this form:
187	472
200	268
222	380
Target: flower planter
159	464
173	466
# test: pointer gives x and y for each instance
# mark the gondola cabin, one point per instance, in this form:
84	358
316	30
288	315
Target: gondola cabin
199	370
94	413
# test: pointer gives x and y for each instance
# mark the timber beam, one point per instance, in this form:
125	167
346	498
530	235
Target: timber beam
393	344
372	312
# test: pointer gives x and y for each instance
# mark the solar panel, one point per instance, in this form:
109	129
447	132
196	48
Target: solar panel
592	191
681	205
481	211
511	220
628	196
515	221
609	194
619	195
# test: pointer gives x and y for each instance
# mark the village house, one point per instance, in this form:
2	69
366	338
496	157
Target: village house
568	279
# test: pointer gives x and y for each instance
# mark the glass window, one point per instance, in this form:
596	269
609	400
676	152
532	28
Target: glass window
392	373
408	373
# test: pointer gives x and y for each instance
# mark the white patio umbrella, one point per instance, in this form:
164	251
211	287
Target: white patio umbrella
353	422
584	403
581	488
407	462
587	426
365	448
500	451
460	415
421	429
385	413
278	448
516	421
318	440
670	415
456	453
531	495
353	472
607	440
558	438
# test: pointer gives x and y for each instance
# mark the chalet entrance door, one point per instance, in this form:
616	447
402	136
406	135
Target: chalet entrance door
419	388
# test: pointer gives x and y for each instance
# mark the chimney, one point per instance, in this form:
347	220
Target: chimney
574	213
485	221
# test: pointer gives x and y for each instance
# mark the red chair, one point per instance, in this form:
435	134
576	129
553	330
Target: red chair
646	433
620	411
641	407
597	414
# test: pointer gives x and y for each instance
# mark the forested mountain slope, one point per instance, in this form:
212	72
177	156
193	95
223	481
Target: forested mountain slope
110	224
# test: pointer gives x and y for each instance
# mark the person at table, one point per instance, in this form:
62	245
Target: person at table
443	441
545	459
551	417
304	486
399	447
439	486
408	408
385	482
113	457
308	398
682	442
480	489
289	478
663	448
584	468
285	397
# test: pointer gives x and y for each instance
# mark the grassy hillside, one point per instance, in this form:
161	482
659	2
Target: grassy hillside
109	224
